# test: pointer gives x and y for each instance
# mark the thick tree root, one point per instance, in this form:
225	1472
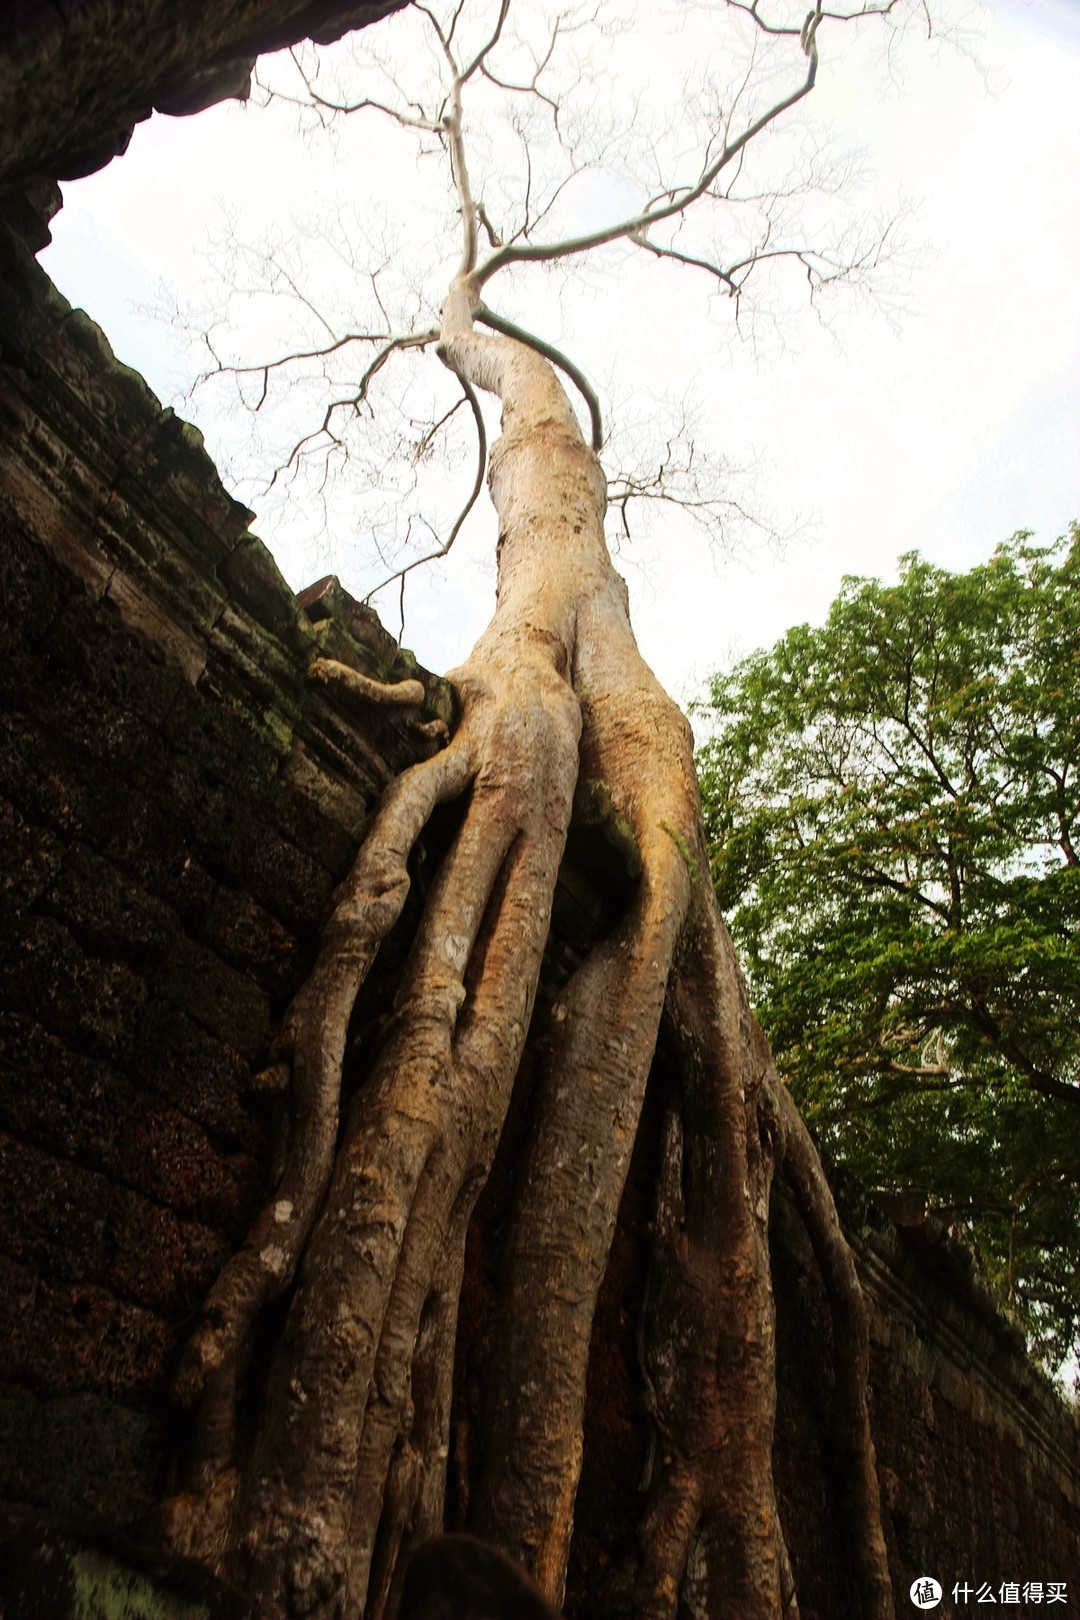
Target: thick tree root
418	1142
312	1044
709	1337
600	1039
402	694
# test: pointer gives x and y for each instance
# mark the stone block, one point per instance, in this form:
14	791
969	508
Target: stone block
233	837
255	584
248	937
227	1003
297	816
18	1289
32	589
344	802
82	1338
146	839
156	1259
115	669
200	1076
60	1100
169	1158
169	474
110	915
223	740
30	858
30	305
93	1003
157	623
78	1454
53	1213
52	781
108	398
247	666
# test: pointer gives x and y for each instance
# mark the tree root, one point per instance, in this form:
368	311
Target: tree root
408	694
851	1360
709	1339
701	1394
311	1044
339	1449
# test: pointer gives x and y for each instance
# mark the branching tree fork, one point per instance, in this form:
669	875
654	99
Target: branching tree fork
561	721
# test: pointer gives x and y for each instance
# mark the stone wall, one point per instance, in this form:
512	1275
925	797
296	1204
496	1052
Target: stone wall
976	1453
176	804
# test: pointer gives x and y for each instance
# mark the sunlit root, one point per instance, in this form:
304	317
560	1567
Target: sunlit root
600	1035
408	694
354	1410
312	1044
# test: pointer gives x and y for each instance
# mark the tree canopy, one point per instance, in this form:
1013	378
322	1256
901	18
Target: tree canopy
691	173
892	810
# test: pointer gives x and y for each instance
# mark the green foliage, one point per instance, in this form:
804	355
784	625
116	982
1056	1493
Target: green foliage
892	810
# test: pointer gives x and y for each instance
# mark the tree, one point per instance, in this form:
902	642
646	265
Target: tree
891	803
314	1505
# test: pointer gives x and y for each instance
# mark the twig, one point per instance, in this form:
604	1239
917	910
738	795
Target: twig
478	484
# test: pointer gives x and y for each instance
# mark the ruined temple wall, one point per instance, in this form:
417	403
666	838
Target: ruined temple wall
977	1453
176	805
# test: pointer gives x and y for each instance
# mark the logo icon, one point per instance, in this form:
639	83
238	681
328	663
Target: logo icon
925	1592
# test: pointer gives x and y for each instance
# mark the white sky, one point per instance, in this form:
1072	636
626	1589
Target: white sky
945	435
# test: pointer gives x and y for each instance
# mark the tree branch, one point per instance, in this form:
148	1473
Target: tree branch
411	340
478	484
512	253
499	324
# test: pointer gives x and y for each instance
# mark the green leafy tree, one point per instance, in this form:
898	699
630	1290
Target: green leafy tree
891	803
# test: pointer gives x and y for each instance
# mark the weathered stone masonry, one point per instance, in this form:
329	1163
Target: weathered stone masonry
176	805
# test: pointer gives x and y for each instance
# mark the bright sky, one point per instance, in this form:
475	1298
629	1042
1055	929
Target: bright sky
944	433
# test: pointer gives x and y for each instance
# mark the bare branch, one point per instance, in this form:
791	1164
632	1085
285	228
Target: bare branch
640	240
412	340
493	40
263	368
751	10
492	233
557	358
512	253
316	99
478	484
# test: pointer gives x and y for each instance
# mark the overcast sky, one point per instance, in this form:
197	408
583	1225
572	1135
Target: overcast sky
944	431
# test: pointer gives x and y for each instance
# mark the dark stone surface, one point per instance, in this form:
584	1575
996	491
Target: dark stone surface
47	1571
77	75
176	805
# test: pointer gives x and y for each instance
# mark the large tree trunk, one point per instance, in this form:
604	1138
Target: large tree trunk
560	718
